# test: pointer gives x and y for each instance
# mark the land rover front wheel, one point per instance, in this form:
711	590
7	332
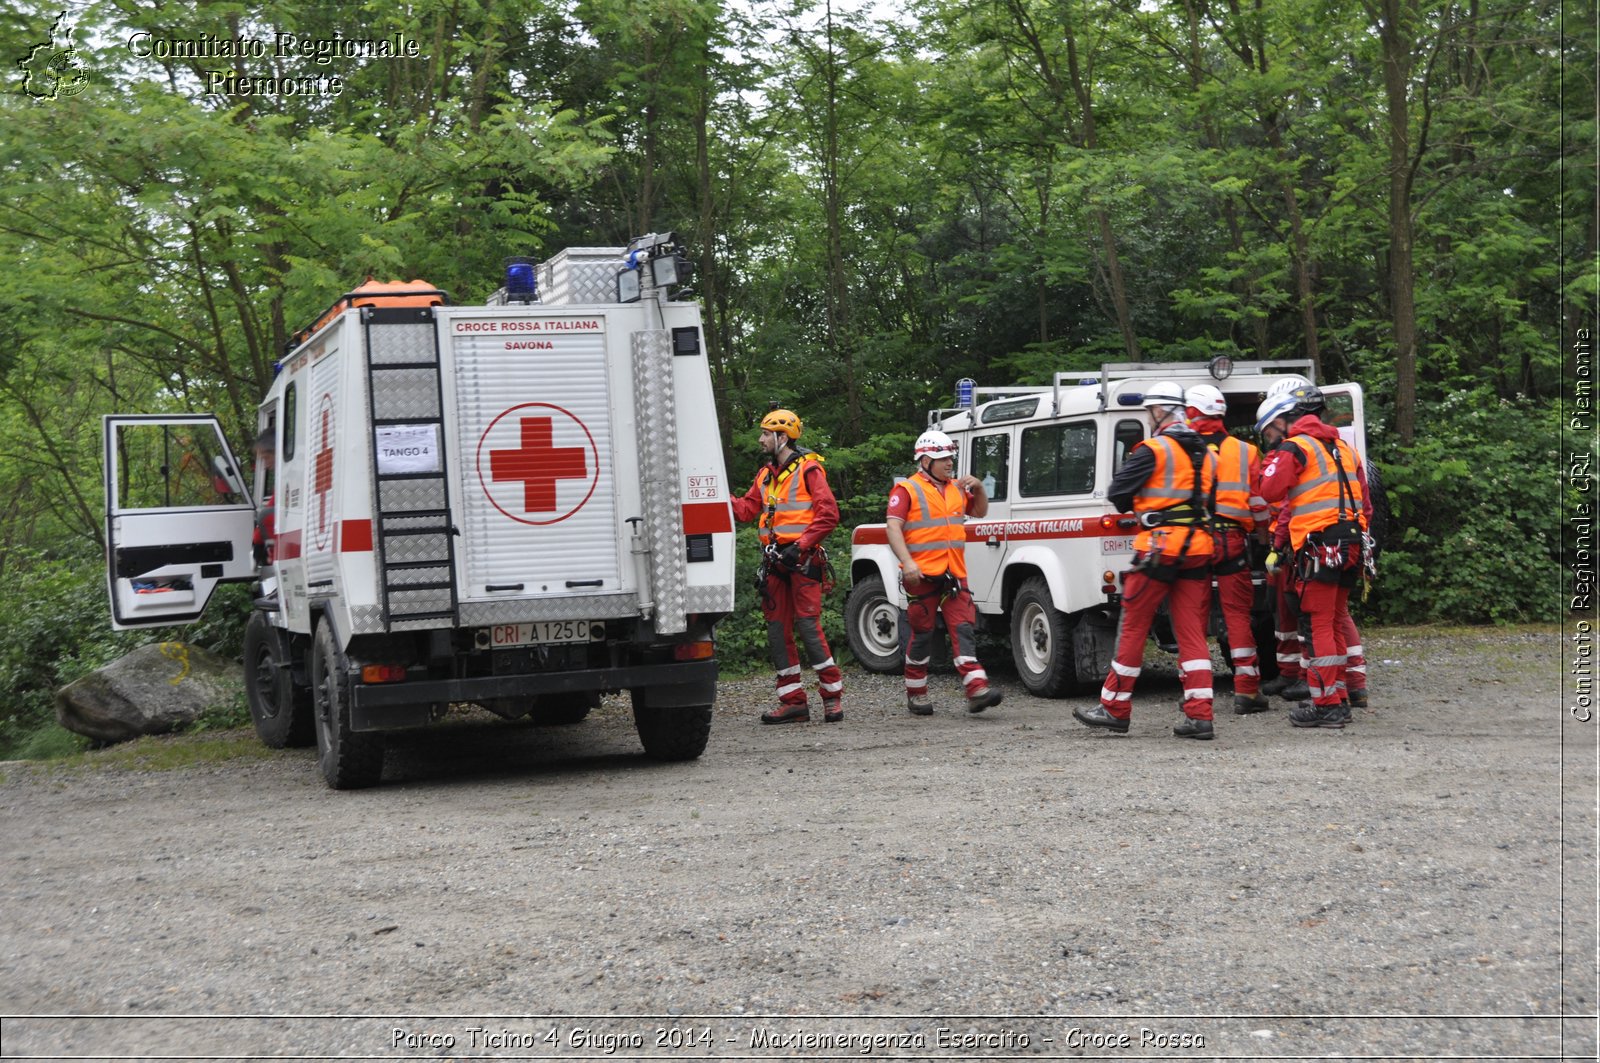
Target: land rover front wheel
872	627
348	760
1041	641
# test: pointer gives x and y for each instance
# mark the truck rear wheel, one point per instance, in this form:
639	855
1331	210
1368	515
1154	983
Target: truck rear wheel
280	710
1041	641
872	627
348	760
671	732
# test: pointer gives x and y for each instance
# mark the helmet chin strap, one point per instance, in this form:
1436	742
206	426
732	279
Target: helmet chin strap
935	477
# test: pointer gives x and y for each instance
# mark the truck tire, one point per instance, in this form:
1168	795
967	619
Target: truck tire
872	627
280	710
348	760
671	732
1041	641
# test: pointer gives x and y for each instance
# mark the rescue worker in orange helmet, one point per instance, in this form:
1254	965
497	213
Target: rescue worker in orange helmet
1325	486
926	530
795	510
1240	518
1168	481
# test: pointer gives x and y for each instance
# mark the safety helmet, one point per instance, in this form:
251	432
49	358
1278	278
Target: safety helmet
1163	393
785	421
1285	384
934	444
1308	399
1273	407
1207	399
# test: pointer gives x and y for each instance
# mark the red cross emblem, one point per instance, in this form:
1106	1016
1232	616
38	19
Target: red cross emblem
322	472
534	450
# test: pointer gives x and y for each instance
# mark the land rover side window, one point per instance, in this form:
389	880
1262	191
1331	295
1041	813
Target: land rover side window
171	466
991	463
1127	434
1058	459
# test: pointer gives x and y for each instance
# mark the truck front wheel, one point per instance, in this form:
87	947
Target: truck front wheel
872	627
280	710
348	760
1041	641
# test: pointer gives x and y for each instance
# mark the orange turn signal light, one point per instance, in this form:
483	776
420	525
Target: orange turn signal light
383	673
694	651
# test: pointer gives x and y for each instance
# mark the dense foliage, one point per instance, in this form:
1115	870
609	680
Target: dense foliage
998	190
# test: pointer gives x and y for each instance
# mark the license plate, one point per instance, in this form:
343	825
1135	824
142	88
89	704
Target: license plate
541	633
1119	545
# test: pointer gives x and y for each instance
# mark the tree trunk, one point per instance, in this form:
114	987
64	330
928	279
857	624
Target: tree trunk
1108	242
1395	34
838	314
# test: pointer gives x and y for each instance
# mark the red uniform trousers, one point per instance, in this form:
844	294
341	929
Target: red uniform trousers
1355	664
792	604
1237	594
1189	598
1320	607
924	603
1287	626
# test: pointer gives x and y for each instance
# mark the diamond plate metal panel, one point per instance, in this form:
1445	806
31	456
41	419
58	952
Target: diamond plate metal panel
709	600
420	601
655	400
366	620
401	343
399	577
588	607
399	393
397	496
581	275
400	548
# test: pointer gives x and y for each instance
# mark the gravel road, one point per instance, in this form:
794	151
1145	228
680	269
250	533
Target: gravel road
1010	884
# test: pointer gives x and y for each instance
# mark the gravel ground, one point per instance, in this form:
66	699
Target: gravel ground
1010	884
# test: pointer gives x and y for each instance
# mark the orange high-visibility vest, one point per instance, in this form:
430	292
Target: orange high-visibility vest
1314	502
934	531
1233	481
1172	484
788	511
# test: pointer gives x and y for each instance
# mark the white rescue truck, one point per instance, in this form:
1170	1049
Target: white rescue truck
1044	563
521	505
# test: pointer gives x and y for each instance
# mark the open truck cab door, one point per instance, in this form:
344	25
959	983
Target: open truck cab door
179	519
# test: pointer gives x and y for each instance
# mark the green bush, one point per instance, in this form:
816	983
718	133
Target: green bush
1475	530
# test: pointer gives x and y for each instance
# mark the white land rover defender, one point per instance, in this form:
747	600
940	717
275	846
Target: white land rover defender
521	504
1044	563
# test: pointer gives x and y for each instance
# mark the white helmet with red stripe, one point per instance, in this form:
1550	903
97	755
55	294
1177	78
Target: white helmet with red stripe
935	444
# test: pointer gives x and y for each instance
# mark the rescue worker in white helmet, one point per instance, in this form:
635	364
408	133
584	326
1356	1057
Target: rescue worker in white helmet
926	531
1328	510
1272	423
796	510
1240	518
1169	481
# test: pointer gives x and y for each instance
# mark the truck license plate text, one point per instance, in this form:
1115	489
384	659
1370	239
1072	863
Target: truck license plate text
542	632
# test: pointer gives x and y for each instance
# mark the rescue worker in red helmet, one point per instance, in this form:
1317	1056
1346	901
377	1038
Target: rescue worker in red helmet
926	531
1325	485
1240	517
1169	481
796	510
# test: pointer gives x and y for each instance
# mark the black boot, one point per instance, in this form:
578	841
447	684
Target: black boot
1189	727
1097	716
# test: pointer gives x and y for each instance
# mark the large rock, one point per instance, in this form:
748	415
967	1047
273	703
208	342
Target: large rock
153	690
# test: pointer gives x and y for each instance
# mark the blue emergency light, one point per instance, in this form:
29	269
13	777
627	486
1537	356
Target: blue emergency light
522	283
964	392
